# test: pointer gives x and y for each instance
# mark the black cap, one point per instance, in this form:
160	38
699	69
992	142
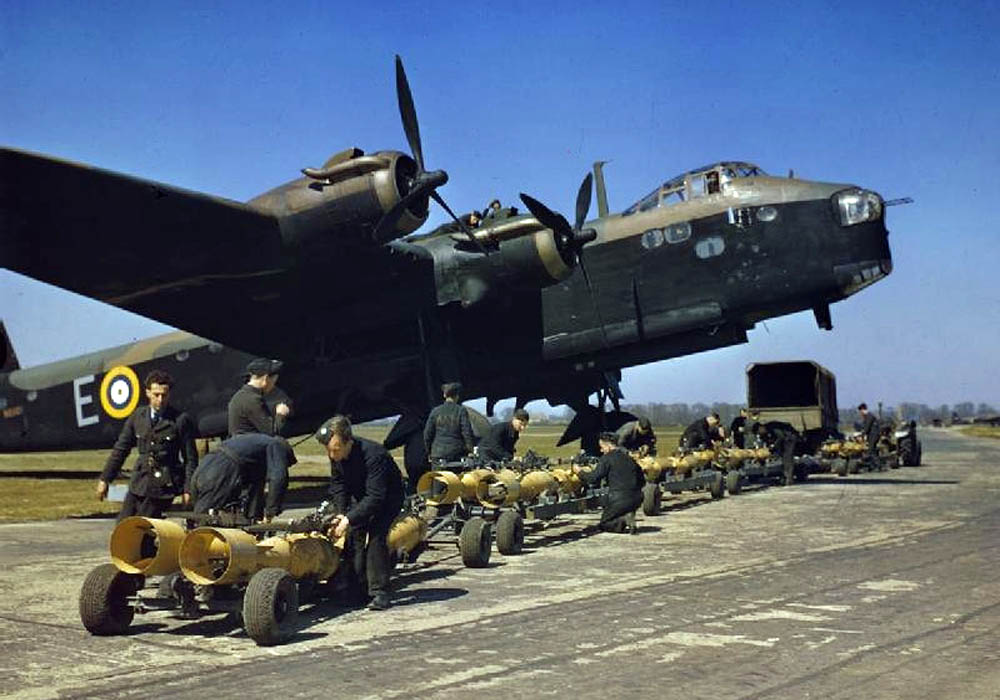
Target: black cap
862	407
608	437
263	366
644	423
451	389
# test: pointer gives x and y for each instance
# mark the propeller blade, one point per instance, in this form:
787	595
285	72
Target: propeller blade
423	186
408	114
547	217
583	201
468	232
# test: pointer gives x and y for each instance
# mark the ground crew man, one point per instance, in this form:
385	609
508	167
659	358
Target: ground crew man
167	453
700	434
637	436
625	482
870	431
498	443
248	411
782	439
366	490
448	431
737	429
244	462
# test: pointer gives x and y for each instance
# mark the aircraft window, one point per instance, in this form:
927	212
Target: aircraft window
648	203
672	197
749	170
712	182
677	233
697	183
709	247
652	239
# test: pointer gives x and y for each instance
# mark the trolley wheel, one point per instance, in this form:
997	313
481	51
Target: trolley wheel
510	533
840	468
734	482
270	606
475	542
104	606
652	499
718	486
854	466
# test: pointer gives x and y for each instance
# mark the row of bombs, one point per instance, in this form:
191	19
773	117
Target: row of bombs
213	569
218	569
505	487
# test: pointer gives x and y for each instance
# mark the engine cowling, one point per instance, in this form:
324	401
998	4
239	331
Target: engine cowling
521	254
351	191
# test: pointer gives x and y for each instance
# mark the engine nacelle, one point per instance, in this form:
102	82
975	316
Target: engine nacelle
350	190
522	254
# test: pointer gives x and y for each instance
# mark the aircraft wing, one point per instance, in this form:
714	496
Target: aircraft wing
208	265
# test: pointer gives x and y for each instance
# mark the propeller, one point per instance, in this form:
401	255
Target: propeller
571	240
424	183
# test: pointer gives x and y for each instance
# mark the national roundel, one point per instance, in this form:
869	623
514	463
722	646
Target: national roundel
119	392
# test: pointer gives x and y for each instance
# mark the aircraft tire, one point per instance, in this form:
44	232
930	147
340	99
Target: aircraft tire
510	533
652	499
270	606
718	486
734	482
104	606
475	542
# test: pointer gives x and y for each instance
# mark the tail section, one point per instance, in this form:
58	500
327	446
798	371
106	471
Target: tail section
8	358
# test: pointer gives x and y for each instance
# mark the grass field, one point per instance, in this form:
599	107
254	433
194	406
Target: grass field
987	431
52	485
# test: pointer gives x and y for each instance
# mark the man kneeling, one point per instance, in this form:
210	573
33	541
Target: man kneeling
625	481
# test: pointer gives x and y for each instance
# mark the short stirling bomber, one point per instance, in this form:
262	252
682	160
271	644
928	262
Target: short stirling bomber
370	319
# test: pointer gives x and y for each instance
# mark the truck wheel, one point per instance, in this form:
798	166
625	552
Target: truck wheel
270	606
104	606
718	486
734	482
652	499
510	533
475	542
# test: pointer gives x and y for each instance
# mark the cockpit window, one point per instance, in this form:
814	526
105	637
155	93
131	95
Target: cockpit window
711	179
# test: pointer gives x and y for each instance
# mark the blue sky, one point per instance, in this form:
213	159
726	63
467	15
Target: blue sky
234	98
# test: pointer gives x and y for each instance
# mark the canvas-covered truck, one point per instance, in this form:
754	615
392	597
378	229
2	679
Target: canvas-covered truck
801	393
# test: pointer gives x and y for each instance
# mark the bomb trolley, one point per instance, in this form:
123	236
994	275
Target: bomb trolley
688	471
476	503
256	572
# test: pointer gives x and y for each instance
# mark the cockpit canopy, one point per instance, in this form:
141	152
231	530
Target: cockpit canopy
711	179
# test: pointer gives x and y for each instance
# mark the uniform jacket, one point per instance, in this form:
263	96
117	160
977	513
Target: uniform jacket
697	435
244	461
631	439
248	413
736	429
167	453
778	435
622	472
498	443
448	432
369	475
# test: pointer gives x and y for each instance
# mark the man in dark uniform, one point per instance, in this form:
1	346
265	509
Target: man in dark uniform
167	453
637	436
244	463
366	489
248	410
782	439
498	443
700	434
870	431
448	431
625	482
737	429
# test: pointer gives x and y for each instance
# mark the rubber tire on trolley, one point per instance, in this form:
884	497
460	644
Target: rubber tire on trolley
718	486
801	472
840	468
510	533
270	606
475	542
104	607
652	499
854	466
734	482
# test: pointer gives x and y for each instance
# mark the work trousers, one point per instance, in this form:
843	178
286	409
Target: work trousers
616	506
143	505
